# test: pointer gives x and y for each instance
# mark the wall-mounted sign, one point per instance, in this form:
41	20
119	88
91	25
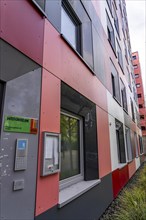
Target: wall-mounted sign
20	124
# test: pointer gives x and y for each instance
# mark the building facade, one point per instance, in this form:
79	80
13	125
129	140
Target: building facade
140	95
70	135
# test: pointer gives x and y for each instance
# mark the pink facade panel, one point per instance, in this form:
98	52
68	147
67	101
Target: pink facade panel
48	187
63	62
22	27
131	168
103	143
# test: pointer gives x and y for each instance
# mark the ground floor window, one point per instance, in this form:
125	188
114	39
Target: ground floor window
71	149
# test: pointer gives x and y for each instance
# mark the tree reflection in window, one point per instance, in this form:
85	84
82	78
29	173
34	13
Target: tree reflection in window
70	146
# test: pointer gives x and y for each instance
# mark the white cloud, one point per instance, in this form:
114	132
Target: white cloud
136	11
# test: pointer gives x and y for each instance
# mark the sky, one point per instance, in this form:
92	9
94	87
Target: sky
136	12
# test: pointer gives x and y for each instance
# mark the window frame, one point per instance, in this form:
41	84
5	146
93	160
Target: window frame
79	177
75	20
112	42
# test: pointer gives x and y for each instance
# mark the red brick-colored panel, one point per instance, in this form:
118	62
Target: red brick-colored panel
48	187
63	62
22	26
120	177
131	168
116	182
103	143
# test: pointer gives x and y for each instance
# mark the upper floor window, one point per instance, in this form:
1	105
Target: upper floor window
140	106
111	35
120	142
70	27
119	53
143	128
124	97
128	144
136	75
137	85
135	66
141	116
109	2
115	83
133	57
132	111
138	95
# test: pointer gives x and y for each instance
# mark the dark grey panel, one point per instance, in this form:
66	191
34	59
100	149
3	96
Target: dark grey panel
74	102
22	98
98	51
13	63
89	206
53	11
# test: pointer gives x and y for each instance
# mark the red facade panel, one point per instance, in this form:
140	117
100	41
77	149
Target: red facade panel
120	177
103	143
22	27
48	187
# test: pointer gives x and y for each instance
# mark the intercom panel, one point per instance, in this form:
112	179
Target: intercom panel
21	154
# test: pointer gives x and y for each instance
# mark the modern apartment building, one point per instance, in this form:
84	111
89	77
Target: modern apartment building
140	95
70	138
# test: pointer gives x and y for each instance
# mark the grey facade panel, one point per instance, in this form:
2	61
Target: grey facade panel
13	63
89	206
22	98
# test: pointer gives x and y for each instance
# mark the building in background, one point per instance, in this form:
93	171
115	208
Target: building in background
140	95
70	134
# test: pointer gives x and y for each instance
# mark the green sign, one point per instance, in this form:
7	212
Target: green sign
17	124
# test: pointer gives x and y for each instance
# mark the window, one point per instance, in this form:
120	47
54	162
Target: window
111	35
128	143
138	95
2	88
141	145
71	148
116	22
135	66
136	144
136	75
137	85
132	110
115	83
141	116
143	128
70	28
133	57
109	2
140	106
119	53
81	112
120	142
124	97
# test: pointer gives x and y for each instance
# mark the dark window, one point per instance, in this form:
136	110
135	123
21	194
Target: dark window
134	57
128	144
138	95
115	83
141	145
137	85
136	75
135	66
1	101
70	27
119	54
136	144
141	116
111	35
124	97
132	110
140	106
143	128
120	142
